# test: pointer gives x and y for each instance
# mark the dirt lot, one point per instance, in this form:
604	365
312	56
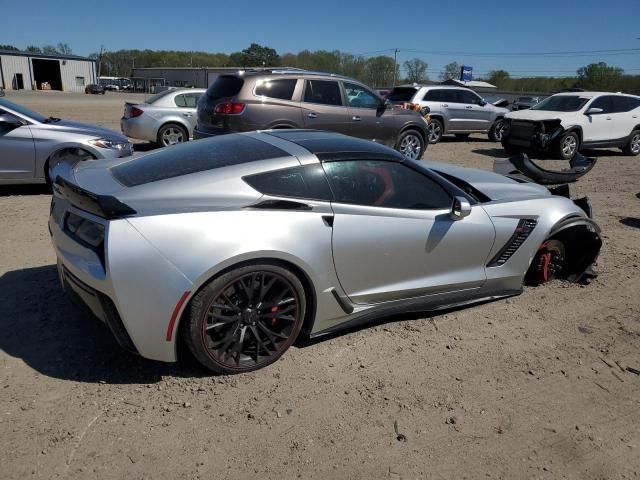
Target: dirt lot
530	387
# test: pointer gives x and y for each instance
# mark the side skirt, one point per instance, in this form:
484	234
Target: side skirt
413	306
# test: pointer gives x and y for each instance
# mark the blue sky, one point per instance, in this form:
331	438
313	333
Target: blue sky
464	26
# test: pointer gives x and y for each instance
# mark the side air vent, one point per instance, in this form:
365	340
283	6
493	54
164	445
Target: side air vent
523	230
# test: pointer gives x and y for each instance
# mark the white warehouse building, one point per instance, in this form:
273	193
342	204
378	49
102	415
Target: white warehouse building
37	71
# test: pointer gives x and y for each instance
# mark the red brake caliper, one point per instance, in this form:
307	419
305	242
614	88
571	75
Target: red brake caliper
274	309
543	265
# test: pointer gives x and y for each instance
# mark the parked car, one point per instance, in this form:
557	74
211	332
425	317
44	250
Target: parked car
566	123
454	110
93	88
276	99
524	103
30	143
238	244
167	118
496	100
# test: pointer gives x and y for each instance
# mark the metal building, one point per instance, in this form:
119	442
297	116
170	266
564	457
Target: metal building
37	71
197	77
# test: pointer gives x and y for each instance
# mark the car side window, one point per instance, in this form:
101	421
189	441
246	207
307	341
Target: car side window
384	184
281	89
433	96
191	99
324	92
622	104
180	101
360	97
450	96
307	181
468	97
603	102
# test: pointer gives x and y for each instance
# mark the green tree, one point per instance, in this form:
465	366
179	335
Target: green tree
50	50
380	71
258	56
33	49
599	76
450	70
416	70
499	78
8	47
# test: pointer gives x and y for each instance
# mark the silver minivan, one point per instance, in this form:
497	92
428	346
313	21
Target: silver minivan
454	110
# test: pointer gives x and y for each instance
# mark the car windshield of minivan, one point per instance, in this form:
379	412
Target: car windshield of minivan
561	103
23	111
404	94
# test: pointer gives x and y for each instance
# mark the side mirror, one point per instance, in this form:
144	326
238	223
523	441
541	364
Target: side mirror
482	103
386	103
460	208
8	120
424	111
593	111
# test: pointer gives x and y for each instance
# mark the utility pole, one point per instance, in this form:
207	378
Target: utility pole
395	66
100	60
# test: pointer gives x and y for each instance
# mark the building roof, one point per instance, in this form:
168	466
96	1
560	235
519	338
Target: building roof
471	84
20	53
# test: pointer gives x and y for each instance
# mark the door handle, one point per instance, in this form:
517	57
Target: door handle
312	115
469	107
608	118
188	114
445	105
356	118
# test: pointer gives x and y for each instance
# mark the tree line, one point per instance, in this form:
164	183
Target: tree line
377	71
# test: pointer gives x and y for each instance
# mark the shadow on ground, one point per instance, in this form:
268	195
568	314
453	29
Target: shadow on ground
144	147
57	338
630	222
496	152
11	190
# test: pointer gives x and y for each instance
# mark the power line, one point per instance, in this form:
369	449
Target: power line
578	53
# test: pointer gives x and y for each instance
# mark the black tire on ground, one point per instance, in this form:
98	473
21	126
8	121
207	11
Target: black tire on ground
245	319
411	144
462	136
633	147
497	129
103	92
435	131
171	134
548	263
568	146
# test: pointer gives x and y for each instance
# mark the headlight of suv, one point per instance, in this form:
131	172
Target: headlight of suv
112	144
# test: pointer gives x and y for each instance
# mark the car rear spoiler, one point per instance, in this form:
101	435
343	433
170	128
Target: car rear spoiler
104	206
520	166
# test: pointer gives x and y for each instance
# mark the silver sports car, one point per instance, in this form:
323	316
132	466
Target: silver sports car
239	244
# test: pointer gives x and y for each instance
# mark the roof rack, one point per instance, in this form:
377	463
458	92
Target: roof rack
292	71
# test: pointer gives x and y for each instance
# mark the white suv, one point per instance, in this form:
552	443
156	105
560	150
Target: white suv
453	110
566	123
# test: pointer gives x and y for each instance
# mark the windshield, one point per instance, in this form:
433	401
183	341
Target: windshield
525	99
561	103
402	94
22	111
154	98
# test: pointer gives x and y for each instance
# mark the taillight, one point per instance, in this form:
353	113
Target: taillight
136	112
229	108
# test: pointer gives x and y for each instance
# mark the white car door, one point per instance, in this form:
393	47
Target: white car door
626	115
597	127
17	149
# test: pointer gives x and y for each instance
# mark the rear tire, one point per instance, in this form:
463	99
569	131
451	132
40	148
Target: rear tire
171	134
633	147
435	130
245	319
497	131
411	144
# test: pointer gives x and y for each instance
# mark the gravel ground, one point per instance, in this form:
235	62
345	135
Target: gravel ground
531	387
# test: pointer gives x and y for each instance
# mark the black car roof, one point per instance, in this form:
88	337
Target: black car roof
332	146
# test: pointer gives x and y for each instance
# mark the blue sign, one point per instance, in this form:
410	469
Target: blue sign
466	73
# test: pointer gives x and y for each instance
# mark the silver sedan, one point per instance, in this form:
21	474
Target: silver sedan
166	118
31	143
238	244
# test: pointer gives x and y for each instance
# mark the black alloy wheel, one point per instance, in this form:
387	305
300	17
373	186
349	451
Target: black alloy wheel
246	318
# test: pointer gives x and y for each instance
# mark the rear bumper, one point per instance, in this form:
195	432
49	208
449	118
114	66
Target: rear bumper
99	304
140	128
530	136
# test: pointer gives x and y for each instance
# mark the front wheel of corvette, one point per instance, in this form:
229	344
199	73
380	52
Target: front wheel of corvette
246	318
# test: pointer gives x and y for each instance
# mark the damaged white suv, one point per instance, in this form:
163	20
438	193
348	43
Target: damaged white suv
565	123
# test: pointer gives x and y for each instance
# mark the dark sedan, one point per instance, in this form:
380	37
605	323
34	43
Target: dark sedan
95	89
